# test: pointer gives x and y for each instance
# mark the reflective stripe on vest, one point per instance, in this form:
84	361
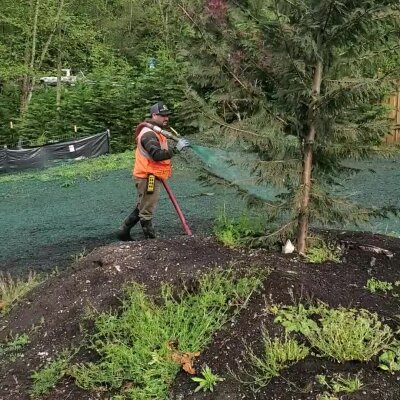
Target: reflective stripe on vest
145	165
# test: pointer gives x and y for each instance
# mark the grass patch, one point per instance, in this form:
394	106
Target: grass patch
340	383
137	358
278	354
87	169
322	251
342	334
46	378
13	289
11	349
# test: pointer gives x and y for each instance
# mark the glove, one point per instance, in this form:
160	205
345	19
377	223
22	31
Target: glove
182	143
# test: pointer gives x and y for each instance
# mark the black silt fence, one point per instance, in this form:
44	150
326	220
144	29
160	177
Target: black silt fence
14	160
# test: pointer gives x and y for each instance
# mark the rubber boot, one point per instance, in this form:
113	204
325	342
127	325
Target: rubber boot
124	232
148	230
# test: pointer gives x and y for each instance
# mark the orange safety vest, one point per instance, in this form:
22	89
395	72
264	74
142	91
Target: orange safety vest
144	164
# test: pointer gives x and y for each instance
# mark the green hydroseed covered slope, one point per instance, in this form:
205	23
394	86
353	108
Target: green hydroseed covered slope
48	217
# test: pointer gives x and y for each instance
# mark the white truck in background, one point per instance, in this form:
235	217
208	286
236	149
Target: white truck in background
65	78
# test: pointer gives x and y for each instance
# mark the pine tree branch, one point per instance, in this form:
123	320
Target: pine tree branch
279	230
280	161
219	179
50	38
287	49
345	27
208	44
328	16
231	127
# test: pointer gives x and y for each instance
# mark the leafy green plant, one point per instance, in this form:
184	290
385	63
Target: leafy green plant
339	383
277	355
141	344
295	319
375	285
323	252
342	334
47	377
13	289
207	380
236	232
389	360
12	347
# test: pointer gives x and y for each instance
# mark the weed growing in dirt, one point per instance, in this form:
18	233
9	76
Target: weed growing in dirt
375	285
340	384
143	347
277	355
234	232
86	169
323	252
47	377
389	360
342	334
11	348
207	380
327	396
13	289
79	256
295	318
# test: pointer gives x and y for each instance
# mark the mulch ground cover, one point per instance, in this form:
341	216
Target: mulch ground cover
52	314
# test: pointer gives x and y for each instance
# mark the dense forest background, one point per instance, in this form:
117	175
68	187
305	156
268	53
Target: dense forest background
193	54
125	54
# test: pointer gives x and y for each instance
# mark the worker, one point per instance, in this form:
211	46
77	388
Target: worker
152	163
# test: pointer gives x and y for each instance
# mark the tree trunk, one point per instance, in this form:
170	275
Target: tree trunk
25	77
302	227
46	47
59	65
27	86
50	38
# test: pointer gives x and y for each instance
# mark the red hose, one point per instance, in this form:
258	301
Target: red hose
177	208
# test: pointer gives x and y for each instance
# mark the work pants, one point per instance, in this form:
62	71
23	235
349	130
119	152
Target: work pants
147	202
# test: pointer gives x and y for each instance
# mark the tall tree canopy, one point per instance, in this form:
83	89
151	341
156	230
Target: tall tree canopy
301	83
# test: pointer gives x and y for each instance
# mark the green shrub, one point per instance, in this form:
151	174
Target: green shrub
342	334
134	346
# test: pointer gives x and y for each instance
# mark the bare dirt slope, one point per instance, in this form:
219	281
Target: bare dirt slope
52	314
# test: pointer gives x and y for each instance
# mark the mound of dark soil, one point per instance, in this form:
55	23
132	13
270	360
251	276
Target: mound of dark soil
52	313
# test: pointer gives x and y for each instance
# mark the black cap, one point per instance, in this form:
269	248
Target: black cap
160	109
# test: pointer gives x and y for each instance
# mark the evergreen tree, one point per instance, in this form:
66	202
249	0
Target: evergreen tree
298	82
